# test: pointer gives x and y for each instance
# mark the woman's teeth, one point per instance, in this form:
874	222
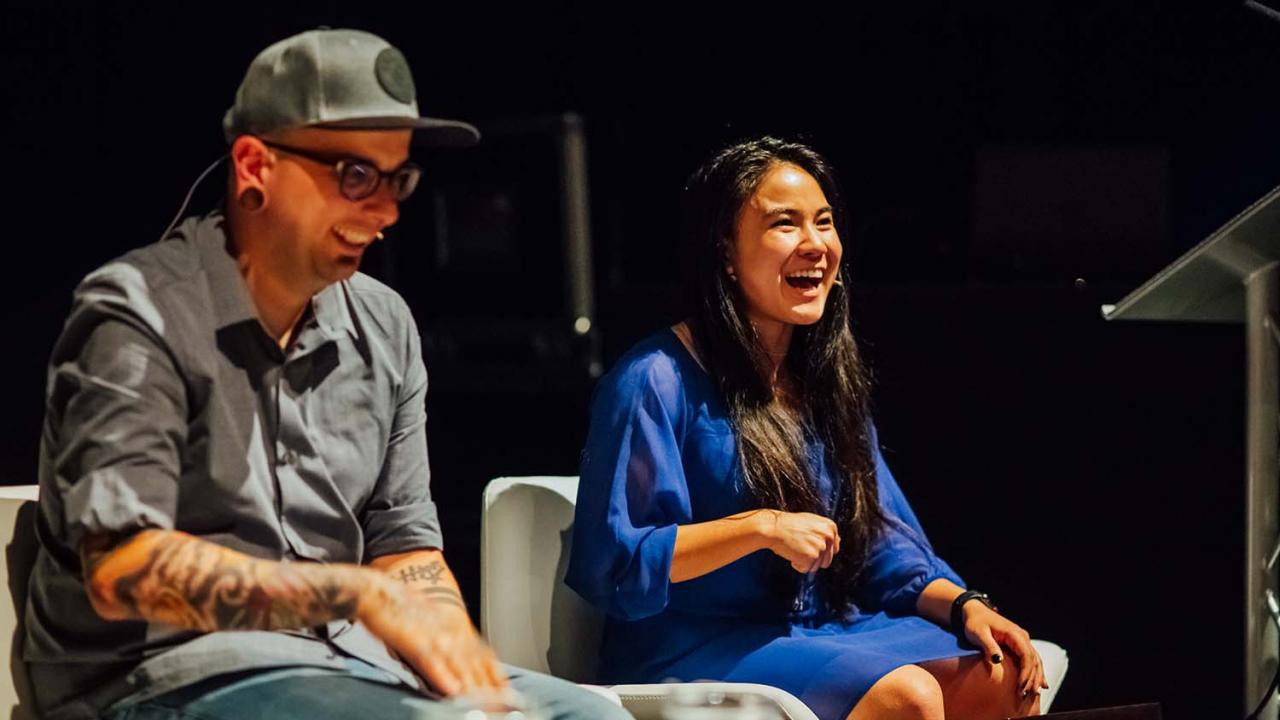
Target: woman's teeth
804	279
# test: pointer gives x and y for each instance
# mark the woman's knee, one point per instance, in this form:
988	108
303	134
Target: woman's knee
908	692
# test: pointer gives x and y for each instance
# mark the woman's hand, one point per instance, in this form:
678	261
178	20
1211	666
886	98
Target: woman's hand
809	542
990	630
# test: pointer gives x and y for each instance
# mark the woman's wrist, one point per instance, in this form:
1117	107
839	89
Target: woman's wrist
766	526
963	604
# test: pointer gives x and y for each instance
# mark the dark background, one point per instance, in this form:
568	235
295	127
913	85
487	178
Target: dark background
1088	475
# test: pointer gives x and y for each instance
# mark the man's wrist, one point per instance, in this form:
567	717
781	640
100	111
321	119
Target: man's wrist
378	593
451	600
442	595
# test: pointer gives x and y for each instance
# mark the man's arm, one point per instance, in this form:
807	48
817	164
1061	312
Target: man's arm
425	572
169	577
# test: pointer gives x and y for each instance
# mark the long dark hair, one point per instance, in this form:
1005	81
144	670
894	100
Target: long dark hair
823	361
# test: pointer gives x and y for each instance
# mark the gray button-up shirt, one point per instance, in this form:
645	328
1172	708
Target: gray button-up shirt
169	406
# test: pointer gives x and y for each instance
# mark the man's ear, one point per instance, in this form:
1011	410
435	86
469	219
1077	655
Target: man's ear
251	165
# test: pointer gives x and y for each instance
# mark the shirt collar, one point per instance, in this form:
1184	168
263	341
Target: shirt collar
232	303
332	309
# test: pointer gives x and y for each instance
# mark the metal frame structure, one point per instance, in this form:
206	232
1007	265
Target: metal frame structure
1234	276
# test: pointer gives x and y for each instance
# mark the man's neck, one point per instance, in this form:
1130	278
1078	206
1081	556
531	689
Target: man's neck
279	304
279	308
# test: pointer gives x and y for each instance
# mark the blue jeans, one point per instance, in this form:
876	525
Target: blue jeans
363	692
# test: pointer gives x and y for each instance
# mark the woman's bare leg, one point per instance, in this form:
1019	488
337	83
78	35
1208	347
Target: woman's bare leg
908	693
974	690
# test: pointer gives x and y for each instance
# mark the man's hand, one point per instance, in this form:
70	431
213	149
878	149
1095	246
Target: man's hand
449	653
435	638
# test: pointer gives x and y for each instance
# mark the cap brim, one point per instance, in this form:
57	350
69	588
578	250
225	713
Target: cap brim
429	132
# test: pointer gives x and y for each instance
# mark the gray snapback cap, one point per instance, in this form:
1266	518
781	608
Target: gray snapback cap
339	79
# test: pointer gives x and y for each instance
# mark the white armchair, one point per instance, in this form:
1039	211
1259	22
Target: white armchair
527	613
18	537
532	619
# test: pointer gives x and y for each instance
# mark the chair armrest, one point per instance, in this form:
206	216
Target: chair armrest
645	701
603	691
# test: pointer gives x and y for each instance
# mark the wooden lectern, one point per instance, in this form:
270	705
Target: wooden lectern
1234	276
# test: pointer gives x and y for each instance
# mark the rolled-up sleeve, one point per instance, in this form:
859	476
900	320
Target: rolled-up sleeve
901	562
400	515
632	493
117	417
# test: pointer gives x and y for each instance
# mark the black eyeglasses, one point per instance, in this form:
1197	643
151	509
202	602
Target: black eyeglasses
358	177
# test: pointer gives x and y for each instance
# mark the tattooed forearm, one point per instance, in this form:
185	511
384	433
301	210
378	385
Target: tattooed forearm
432	579
444	595
432	573
173	578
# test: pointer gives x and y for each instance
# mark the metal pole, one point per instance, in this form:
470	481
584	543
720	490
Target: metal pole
1262	496
577	237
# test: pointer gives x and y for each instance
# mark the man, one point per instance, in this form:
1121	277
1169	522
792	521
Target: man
235	518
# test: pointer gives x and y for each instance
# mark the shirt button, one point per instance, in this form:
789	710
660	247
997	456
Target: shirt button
290	457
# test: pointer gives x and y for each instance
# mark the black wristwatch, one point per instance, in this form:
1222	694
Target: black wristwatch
957	608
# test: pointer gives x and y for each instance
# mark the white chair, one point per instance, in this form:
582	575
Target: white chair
17	535
532	619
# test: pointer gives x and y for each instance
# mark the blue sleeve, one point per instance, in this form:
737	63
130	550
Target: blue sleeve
901	563
632	492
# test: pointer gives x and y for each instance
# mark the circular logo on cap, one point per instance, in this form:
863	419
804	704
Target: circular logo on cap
393	75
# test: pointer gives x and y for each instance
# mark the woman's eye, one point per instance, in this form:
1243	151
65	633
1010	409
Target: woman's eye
782	222
824	221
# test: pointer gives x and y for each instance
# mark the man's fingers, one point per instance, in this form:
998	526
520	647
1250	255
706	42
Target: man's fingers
477	673
442	677
491	674
497	677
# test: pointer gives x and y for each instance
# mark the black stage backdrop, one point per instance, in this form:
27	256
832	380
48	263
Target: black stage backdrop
1010	166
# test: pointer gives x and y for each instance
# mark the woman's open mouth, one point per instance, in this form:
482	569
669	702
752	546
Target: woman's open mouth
804	279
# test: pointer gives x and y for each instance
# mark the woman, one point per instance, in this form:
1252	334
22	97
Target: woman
746	429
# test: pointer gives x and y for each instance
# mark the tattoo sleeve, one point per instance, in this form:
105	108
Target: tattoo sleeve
173	578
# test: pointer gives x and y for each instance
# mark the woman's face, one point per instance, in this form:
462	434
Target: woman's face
786	252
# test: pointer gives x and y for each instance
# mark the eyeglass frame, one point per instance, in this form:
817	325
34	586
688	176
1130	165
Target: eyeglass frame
340	162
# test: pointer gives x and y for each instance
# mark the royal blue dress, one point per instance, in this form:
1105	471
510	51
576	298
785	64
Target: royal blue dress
661	453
